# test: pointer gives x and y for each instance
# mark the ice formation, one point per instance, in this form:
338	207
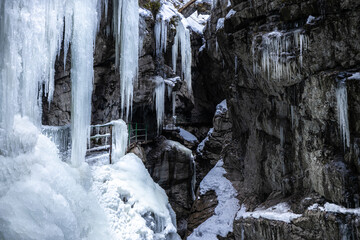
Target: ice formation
126	33
119	139
137	207
159	96
279	55
279	212
221	223
342	109
85	26
183	36
160	31
61	136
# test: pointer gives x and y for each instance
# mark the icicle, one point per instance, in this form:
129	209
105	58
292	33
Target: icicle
160	32
126	32
82	74
193	179
342	108
159	96
119	139
173	103
235	64
183	35
281	136
277	51
292	115
61	136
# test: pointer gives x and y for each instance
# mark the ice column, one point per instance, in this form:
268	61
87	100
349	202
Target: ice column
159	101
342	108
126	33
82	49
183	36
119	139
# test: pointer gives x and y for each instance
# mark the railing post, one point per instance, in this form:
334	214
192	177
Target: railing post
110	144
136	128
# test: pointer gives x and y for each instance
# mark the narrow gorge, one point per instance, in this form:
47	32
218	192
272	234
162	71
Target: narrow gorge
180	119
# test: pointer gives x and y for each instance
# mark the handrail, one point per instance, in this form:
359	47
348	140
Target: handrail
135	134
186	5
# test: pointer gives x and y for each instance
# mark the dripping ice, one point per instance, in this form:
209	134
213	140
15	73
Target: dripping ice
279	55
342	109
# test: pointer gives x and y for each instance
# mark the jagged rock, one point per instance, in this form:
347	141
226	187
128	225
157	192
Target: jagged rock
171	165
202	209
285	130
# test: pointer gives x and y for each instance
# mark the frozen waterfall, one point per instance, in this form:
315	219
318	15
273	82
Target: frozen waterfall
126	33
160	31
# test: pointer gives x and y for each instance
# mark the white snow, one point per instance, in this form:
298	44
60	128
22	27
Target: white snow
231	13
279	212
126	33
221	108
221	223
201	146
187	136
342	109
355	76
220	24
331	207
42	197
310	20
137	208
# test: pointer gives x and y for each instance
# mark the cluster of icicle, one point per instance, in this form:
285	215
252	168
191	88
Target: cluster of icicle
183	36
279	54
160	31
126	33
342	109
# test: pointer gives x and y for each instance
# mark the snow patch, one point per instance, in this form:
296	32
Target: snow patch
279	212
137	208
187	136
221	223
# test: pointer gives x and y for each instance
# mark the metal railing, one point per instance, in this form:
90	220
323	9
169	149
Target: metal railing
101	136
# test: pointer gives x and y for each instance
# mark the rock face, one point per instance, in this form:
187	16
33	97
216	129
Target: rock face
171	166
280	64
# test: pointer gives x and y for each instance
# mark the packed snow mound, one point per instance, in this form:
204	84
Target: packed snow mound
42	197
137	208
